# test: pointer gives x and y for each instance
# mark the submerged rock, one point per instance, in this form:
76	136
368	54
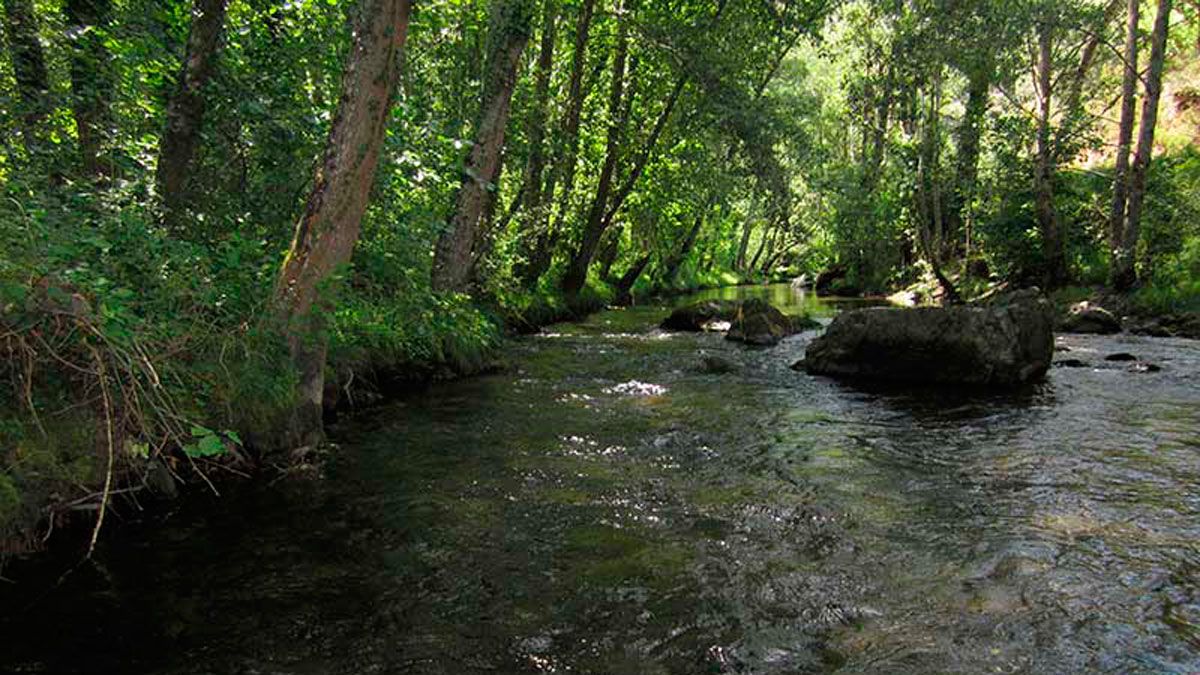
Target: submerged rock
1121	356
717	365
1008	342
1085	317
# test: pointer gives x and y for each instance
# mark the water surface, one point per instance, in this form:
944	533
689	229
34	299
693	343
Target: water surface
608	505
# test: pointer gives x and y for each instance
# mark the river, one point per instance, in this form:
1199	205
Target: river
607	504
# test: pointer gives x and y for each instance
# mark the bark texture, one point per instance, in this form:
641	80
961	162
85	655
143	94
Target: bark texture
1129	80
1125	274
576	274
455	255
185	110
1053	254
328	230
541	254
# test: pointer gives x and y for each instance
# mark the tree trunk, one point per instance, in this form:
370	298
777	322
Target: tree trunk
1053	253
456	254
1116	213
739	263
90	83
625	284
326	233
966	172
609	249
28	64
546	238
1126	276
576	275
536	130
185	110
671	266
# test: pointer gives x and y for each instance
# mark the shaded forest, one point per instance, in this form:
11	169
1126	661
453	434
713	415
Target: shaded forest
224	220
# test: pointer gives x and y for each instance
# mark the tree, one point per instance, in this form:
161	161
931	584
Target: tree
28	64
455	255
576	274
1129	80
563	173
185	110
327	232
1053	252
91	84
1124	272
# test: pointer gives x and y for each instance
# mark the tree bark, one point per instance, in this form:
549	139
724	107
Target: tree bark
625	284
546	233
327	232
28	64
90	84
1116	213
739	263
185	110
671	266
1126	275
1053	253
967	162
576	274
536	128
456	253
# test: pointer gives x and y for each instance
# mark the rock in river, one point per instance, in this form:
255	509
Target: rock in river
702	315
1005	343
1085	317
759	323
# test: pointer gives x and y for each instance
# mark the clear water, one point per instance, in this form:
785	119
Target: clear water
608	506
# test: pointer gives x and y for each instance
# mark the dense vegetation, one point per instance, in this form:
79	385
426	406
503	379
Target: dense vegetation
220	217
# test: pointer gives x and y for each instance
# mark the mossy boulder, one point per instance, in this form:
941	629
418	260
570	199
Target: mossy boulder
1006	343
701	316
1085	317
757	322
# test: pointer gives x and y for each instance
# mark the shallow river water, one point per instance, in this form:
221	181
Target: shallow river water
609	505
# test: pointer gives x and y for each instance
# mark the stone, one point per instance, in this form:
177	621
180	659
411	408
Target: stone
757	322
1121	356
1070	363
1084	317
717	365
700	316
1008	342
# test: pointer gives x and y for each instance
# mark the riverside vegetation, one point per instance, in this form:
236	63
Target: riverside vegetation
223	219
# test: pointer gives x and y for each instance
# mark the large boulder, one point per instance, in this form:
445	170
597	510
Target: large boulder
1084	317
703	315
757	322
1006	343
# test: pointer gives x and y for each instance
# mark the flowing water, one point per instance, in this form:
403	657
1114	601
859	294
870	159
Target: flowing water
610	504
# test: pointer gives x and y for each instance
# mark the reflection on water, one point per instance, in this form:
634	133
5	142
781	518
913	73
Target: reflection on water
611	505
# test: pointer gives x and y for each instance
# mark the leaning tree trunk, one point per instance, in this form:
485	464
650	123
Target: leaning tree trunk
28	64
576	274
455	253
90	83
1116	213
185	110
1053	253
536	128
326	233
1125	274
542	252
627	280
671	266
